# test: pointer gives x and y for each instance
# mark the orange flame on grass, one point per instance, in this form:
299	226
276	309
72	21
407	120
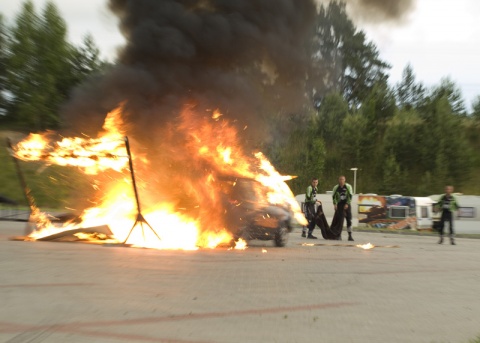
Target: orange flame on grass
92	155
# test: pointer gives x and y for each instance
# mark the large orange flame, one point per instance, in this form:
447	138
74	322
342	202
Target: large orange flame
91	155
213	145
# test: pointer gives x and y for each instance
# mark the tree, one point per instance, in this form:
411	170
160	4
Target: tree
355	145
363	69
29	87
342	59
410	94
402	141
43	67
378	107
443	143
393	180
330	117
55	59
302	155
332	28
3	66
476	108
426	186
86	60
448	89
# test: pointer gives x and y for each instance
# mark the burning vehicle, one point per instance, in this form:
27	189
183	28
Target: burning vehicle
240	198
252	215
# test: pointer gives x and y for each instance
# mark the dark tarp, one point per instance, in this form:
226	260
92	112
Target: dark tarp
334	231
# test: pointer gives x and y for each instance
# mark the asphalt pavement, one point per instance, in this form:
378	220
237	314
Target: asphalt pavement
406	289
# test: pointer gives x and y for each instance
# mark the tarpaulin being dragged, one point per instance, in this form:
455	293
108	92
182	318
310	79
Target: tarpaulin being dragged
334	231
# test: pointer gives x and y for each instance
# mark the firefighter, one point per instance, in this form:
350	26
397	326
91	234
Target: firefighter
342	200
447	204
310	201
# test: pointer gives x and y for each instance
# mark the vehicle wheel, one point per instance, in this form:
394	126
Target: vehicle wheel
281	236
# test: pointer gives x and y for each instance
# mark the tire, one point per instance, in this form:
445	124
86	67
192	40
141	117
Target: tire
281	236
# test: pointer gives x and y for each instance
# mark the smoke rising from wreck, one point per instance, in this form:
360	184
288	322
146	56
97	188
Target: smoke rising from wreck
242	57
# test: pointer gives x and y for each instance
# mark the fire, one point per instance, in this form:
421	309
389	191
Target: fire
215	159
91	155
216	115
367	246
240	245
280	192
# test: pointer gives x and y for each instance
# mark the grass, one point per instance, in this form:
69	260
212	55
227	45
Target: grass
52	187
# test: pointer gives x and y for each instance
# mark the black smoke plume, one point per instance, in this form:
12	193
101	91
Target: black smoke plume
244	57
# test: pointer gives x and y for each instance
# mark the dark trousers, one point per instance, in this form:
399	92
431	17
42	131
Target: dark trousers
348	212
310	215
446	217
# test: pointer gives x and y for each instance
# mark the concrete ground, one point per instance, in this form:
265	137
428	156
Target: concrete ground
408	289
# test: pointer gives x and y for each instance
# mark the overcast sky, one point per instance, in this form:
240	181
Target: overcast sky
439	38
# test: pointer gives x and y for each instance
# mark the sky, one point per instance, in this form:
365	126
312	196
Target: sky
439	38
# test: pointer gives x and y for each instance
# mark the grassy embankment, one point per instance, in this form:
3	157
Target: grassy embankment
52	187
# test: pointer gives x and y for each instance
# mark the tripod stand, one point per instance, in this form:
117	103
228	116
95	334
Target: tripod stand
140	219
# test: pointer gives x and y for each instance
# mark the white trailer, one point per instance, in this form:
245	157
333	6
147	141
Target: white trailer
424	212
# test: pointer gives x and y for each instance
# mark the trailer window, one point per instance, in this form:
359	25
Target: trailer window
424	212
398	211
466	212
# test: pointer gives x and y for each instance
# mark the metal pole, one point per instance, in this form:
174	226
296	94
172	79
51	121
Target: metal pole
26	190
354	180
32	219
140	218
132	174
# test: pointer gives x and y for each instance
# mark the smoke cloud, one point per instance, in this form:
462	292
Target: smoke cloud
243	57
378	11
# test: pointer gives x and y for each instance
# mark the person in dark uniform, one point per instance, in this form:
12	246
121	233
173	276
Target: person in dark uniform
310	201
447	204
342	201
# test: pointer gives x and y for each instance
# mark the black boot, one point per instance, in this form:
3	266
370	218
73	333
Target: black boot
350	238
441	240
